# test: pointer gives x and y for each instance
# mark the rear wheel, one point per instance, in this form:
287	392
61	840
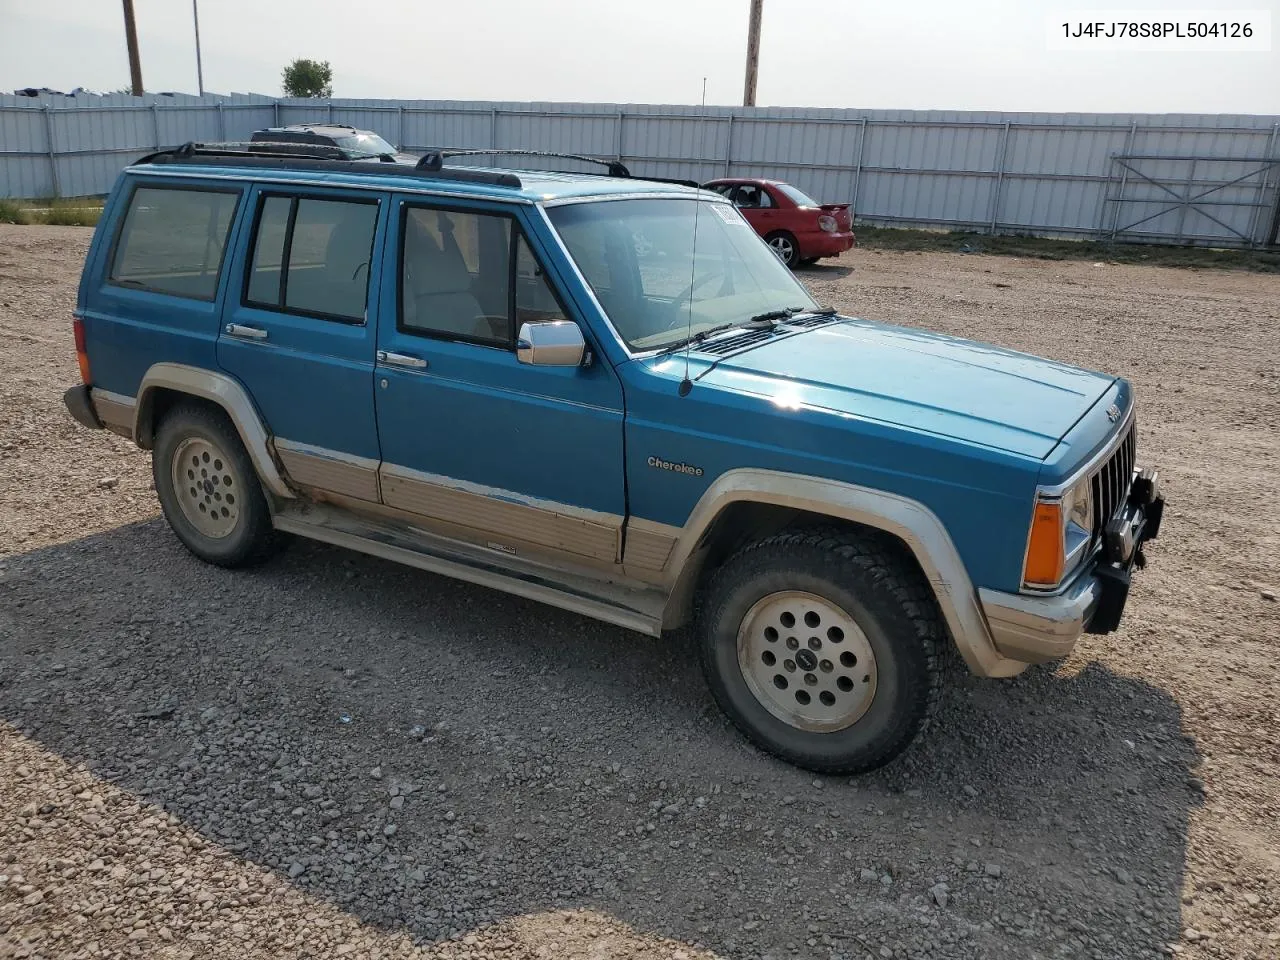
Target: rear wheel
208	488
823	648
785	246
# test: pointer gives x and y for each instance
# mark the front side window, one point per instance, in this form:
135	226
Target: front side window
680	287
535	301
173	239
456	275
470	277
312	256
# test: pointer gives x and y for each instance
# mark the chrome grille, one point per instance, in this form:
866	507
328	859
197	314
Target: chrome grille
1111	481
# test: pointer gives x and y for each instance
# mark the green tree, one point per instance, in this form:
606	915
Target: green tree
308	78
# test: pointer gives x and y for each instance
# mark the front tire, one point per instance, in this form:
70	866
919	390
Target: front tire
208	488
785	246
823	648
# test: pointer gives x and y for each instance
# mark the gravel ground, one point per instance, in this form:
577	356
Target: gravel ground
335	756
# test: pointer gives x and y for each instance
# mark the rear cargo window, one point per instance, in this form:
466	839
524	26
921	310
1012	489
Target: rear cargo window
172	240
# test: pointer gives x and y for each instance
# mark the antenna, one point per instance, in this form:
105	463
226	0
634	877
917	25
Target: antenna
686	384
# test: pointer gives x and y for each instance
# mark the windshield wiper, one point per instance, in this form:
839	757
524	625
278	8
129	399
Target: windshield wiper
764	320
770	317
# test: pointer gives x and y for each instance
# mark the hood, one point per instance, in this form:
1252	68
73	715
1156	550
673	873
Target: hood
926	381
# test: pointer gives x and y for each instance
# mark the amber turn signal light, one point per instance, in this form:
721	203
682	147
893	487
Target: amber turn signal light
1046	561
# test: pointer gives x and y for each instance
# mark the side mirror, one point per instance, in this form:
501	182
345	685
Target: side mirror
551	343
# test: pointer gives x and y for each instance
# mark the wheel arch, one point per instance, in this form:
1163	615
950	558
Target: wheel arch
729	511
165	384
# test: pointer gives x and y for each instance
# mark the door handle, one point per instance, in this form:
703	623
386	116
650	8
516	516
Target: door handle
401	360
246	333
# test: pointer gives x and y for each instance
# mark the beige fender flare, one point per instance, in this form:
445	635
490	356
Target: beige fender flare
227	393
910	521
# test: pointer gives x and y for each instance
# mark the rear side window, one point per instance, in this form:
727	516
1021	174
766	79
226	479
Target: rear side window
173	239
312	256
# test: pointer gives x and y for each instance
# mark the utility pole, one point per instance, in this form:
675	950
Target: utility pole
131	38
195	14
753	53
704	91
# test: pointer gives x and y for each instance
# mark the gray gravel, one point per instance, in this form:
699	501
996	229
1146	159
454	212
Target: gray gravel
335	756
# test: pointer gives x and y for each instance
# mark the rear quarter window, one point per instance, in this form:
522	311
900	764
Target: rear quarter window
173	239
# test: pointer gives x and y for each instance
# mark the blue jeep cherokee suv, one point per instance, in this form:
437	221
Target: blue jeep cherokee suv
482	373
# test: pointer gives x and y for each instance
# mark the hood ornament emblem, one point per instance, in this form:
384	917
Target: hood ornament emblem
1113	413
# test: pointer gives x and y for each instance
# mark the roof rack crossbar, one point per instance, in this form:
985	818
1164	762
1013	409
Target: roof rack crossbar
315	157
434	160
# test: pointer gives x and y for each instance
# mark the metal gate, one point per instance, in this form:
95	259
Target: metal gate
1193	199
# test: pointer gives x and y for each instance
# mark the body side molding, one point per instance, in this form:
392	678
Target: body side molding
226	393
329	470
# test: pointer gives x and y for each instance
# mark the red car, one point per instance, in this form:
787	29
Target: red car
799	229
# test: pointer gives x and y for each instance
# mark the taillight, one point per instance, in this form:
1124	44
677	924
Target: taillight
82	355
827	223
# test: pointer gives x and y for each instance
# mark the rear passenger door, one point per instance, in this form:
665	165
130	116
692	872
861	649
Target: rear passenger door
297	331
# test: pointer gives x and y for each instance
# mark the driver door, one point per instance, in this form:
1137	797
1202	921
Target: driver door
522	459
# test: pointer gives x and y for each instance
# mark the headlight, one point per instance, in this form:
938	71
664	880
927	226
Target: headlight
1061	531
1078	505
827	223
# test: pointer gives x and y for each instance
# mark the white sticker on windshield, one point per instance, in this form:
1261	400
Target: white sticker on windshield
728	214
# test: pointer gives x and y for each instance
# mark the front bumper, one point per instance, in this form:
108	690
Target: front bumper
1034	629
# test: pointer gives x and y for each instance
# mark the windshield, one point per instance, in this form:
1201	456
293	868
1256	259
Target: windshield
658	290
798	197
369	143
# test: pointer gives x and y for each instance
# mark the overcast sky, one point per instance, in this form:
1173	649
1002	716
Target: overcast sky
943	54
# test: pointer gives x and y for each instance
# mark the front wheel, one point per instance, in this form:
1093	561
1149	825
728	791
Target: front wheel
785	246
823	648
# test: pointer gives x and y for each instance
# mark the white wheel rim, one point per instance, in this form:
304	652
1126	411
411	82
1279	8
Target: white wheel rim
782	247
207	487
807	661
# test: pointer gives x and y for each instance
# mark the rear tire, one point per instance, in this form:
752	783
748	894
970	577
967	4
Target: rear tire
208	488
785	246
823	647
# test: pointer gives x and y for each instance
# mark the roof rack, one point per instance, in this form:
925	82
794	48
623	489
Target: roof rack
434	160
323	156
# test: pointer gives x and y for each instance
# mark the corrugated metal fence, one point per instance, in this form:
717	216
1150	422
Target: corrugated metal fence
1196	179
